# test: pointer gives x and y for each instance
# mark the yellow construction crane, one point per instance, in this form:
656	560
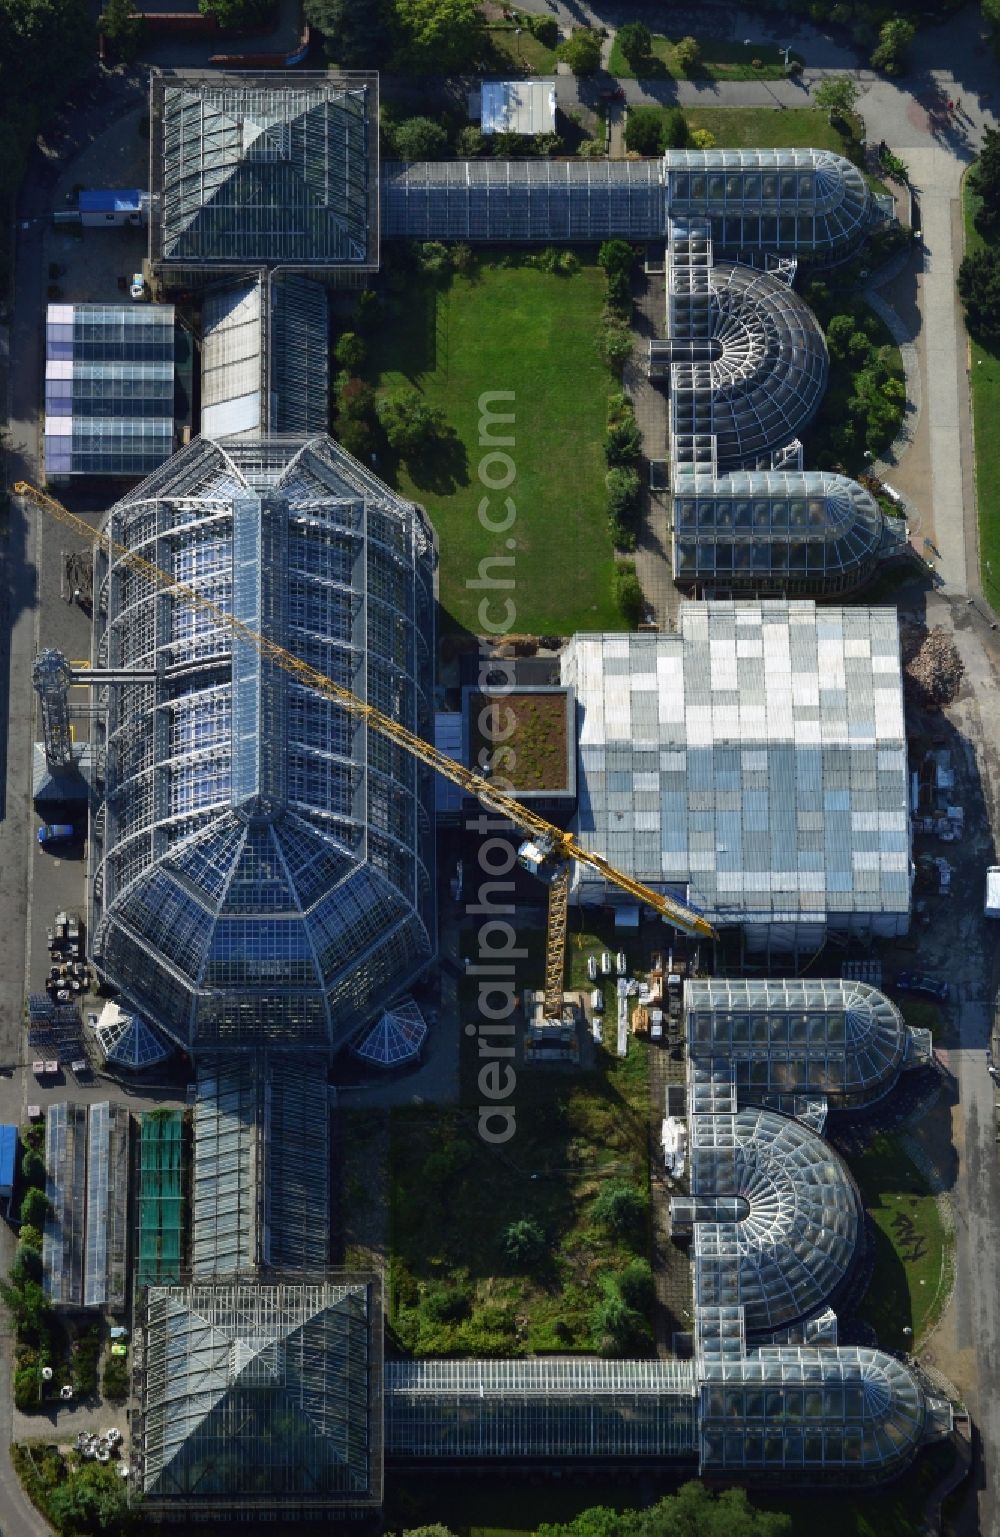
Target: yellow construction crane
549	851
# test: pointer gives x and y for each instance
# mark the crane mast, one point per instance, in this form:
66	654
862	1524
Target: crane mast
558	848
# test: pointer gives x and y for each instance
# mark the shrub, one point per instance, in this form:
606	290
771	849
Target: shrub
546	29
27	1264
619	292
357	437
616	256
435	258
30	1237
702	138
984	180
615	342
568	263
355	400
623	487
635	1285
350	351
85	1356
645	131
35	1207
623	444
687	54
115	1382
547	144
524	1242
621	1207
33	1167
617	1328
470	142
635	42
444	1304
582	51
419	138
890	54
631	603
27	1389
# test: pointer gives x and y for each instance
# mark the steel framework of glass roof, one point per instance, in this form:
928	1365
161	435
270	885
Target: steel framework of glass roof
84	1241
253	170
803	531
127	1041
395	1038
262	865
843	1039
261	1399
109	388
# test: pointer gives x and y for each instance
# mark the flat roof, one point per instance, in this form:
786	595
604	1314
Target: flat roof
518	106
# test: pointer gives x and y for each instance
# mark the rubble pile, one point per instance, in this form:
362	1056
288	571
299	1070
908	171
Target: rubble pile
932	667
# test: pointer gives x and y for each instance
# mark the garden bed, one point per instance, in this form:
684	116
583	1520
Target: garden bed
534	738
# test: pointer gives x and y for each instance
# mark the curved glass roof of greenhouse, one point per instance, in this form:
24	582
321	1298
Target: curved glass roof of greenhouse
791	200
772	522
769	366
835	1037
790	1221
263	862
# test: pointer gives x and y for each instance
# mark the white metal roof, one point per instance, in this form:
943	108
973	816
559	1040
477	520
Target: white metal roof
518	106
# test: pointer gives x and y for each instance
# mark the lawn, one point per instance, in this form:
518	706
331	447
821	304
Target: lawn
719	61
453	1289
985	416
516	55
512	327
909	1285
772	128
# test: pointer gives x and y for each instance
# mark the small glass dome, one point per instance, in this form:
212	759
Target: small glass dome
790	1251
749	528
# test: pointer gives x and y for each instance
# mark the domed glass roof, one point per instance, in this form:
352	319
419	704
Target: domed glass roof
792	1245
770	366
806	523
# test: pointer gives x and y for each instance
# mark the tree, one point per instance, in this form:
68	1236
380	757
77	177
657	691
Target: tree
582	51
837	95
408	421
635	1285
123	27
33	1167
35	1207
615	342
357	36
236	15
645	132
979	290
890	54
693	1511
984	180
419	138
838	335
635	42
524	1242
470	141
355	401
26	1303
350	351
623	492
91	1499
435	37
619	1207
687	54
30	1237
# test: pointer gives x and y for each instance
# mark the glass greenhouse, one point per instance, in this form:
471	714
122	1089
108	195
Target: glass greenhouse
798	201
109	388
540	1409
251	170
263	865
783	1240
806	531
265	358
127	1041
261	1400
840	1038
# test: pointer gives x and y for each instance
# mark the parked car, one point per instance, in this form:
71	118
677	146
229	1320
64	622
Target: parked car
917	982
55	832
137	287
597	1001
614	93
592	967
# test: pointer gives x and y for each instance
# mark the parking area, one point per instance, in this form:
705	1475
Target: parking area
88	266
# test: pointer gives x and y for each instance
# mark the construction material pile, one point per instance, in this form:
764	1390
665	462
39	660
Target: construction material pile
932	667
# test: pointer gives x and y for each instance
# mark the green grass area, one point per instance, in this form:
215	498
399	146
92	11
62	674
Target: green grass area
772	128
985	376
517	55
453	1287
910	1281
719	61
510	326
